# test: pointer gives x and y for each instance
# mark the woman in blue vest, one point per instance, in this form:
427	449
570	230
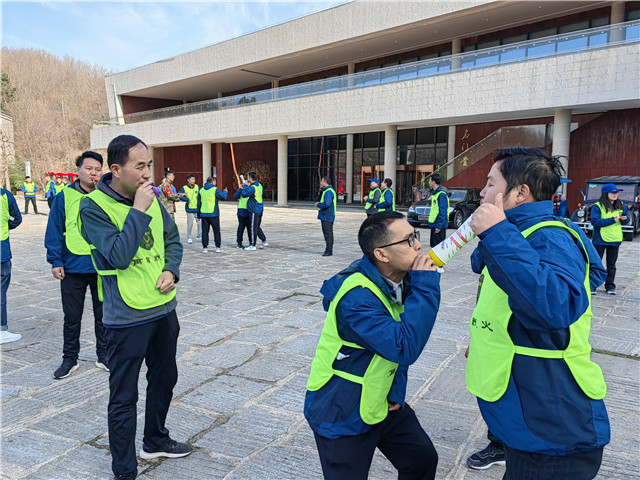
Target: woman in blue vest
607	217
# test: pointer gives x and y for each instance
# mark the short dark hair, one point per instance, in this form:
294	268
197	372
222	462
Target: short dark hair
253	175
191	175
209	179
27	177
118	149
388	181
89	154
436	178
327	179
532	167
374	231
168	171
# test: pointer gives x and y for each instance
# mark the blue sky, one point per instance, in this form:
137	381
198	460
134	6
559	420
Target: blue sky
123	35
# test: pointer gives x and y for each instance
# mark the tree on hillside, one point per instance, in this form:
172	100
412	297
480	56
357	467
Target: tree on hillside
8	93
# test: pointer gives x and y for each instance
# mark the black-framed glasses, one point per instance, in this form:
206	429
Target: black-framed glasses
411	240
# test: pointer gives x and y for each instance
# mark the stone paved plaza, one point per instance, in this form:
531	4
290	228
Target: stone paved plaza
249	326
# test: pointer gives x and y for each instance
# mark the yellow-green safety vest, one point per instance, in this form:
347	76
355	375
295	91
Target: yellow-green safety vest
192	196
58	187
137	282
72	225
393	201
4	217
208	199
30	188
435	209
491	350
258	194
372	194
378	378
242	202
610	233
335	199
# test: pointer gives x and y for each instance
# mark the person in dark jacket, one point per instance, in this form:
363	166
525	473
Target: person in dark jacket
189	194
253	190
49	190
70	259
244	219
10	219
137	253
439	213
374	196
387	197
380	313
209	198
327	213
29	188
529	365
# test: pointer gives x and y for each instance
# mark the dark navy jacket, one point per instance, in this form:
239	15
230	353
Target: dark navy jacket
220	195
543	410
598	222
249	191
326	213
333	411
14	212
116	249
442	220
242	212
185	199
54	239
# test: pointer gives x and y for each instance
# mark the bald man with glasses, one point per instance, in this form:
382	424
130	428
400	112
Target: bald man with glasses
380	313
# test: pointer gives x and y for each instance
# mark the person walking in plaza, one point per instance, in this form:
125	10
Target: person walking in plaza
529	357
380	313
70	258
189	194
327	207
168	195
387	197
10	218
137	253
209	198
59	184
439	213
374	196
49	190
607	217
29	188
253	191
244	219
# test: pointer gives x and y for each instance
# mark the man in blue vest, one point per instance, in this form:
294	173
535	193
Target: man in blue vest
137	253
10	218
253	191
529	366
209	198
380	313
29	188
327	213
439	216
70	259
189	194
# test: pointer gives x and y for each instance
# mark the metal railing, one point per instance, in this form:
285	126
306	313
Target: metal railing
575	42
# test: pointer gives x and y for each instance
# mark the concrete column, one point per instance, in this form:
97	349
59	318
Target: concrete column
153	176
390	152
456	47
562	139
451	151
351	69
206	161
282	170
349	171
118	105
617	16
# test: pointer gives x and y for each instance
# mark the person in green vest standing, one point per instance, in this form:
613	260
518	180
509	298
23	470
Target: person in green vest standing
209	198
252	190
244	218
607	217
70	259
374	196
387	197
380	313
327	213
49	190
136	249
10	218
439	213
59	186
29	188
189	194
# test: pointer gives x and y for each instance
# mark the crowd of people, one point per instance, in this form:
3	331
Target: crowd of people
528	361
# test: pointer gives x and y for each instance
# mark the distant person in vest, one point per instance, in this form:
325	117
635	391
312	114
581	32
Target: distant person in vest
189	194
607	217
10	218
387	197
29	188
439	213
253	191
374	196
529	357
137	252
380	313
327	213
70	258
168	196
59	185
49	190
244	219
209	198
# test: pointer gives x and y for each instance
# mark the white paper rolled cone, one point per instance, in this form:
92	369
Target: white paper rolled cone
446	250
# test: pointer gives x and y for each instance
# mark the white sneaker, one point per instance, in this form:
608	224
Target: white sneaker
264	244
204	250
198	238
8	337
250	247
189	240
218	250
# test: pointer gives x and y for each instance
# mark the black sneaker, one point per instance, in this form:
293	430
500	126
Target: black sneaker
65	370
240	246
124	477
172	449
492	455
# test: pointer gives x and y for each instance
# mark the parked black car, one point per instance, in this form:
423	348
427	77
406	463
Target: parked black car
462	203
630	195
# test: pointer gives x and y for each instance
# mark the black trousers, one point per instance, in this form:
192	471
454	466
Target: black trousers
534	466
399	437
214	223
327	231
612	258
26	204
255	230
49	202
436	238
155	344
243	223
73	288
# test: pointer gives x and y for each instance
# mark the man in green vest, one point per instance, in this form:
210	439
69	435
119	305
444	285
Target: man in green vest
252	190
70	258
529	356
29	188
380	313
209	198
59	186
327	213
137	252
439	213
374	196
387	197
189	194
49	190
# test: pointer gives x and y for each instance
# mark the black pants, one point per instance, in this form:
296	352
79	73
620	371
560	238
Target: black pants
533	466
49	202
73	288
243	223
399	437
436	238
255	230
26	204
214	223
155	343
612	258
327	231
